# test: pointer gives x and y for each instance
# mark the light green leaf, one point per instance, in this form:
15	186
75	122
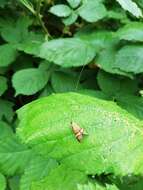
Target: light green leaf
114	141
132	32
92	10
61	178
129	59
60	10
6	111
74	3
14	156
113	85
63	82
37	170
2	182
64	52
130	6
70	19
29	81
8	54
3	85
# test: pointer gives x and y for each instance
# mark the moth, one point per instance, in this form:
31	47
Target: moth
78	131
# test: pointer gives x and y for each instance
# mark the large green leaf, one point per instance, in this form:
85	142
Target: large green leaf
114	140
132	31
64	52
130	6
29	81
8	54
92	10
129	59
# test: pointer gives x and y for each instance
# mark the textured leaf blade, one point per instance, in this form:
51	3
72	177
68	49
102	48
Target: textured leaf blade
112	132
64	52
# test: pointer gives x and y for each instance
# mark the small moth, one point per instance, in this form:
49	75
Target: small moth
79	132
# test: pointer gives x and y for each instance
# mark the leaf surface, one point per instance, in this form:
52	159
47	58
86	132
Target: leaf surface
114	140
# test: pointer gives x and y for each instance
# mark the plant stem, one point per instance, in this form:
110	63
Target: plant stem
39	18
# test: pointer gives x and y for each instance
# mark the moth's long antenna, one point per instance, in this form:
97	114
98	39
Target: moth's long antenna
79	77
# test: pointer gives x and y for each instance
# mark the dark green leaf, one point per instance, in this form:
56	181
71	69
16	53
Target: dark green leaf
8	54
29	81
63	82
113	85
2	182
3	85
6	111
129	59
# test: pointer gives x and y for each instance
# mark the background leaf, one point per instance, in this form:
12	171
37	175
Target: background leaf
92	11
29	81
130	6
3	85
64	52
60	10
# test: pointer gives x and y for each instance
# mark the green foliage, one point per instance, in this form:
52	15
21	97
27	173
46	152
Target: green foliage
29	81
2	182
94	49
